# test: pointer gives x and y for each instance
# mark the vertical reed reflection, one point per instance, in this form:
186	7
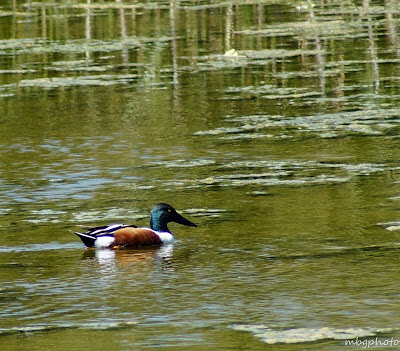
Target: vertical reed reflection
320	50
125	51
88	30
372	47
174	53
43	22
229	27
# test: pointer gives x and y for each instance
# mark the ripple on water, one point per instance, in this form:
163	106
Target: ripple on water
106	215
93	325
301	335
184	163
40	247
289	172
45	216
207	212
59	82
364	122
391	226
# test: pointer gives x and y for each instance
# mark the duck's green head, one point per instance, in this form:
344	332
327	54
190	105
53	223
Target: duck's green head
162	214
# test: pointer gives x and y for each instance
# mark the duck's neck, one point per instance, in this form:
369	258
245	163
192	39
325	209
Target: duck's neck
157	224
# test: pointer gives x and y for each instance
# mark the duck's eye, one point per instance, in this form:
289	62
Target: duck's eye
169	210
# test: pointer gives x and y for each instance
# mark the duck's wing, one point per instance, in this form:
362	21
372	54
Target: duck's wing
107	229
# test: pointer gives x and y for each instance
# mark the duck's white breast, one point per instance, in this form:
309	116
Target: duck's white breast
165	237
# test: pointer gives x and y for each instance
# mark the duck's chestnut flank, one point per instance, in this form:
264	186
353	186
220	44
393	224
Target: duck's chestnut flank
135	237
122	235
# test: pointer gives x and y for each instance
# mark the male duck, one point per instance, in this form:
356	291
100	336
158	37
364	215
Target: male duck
122	235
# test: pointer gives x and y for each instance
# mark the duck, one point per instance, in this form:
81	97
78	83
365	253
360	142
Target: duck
119	235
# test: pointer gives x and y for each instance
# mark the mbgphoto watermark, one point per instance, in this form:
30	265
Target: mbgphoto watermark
366	343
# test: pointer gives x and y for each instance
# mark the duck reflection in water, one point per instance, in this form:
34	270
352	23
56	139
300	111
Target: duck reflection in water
114	260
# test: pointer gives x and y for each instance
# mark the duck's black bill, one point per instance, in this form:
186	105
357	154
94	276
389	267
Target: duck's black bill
182	220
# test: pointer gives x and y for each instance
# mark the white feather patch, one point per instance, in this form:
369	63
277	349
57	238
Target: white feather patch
166	238
110	228
104	241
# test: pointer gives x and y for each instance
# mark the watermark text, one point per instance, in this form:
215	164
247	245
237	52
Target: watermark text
372	342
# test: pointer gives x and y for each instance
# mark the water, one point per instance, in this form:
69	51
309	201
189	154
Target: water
272	125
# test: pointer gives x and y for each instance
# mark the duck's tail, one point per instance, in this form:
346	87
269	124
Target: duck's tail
87	239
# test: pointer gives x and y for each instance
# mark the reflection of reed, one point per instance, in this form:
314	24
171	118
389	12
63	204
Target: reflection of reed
260	23
320	51
175	67
172	18
125	51
391	29
88	35
228	28
43	21
372	47
15	5
122	20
